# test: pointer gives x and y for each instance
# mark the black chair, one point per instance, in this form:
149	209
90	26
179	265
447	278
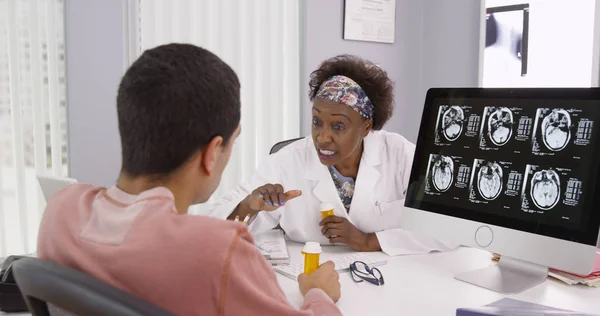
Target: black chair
277	147
44	283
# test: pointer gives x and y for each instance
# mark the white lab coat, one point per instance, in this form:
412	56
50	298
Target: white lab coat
377	204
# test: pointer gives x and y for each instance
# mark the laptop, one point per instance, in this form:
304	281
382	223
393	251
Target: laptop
50	185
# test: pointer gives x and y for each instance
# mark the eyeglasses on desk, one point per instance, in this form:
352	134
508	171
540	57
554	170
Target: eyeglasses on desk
362	272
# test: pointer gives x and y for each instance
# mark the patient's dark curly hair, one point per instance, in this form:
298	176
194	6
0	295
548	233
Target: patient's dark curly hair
374	81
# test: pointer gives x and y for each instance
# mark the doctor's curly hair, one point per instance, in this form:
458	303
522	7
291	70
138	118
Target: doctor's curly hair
371	78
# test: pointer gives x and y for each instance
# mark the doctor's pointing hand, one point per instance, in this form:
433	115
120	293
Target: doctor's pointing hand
268	197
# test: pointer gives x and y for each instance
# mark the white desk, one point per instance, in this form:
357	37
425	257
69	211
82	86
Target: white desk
425	285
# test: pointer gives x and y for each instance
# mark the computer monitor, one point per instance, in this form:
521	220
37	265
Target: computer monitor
50	185
512	171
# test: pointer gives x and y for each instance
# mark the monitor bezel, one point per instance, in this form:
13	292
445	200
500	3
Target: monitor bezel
587	234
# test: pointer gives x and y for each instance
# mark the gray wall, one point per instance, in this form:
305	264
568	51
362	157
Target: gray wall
437	44
450	51
95	62
596	47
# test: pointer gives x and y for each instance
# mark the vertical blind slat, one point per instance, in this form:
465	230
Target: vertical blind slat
16	121
275	27
146	10
195	15
159	26
55	132
259	70
291	66
3	209
247	141
39	133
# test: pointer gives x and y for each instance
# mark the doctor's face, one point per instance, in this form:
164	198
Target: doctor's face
337	131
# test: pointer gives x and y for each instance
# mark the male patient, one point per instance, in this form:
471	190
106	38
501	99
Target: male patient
179	112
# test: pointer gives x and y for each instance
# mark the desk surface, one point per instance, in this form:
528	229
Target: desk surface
425	285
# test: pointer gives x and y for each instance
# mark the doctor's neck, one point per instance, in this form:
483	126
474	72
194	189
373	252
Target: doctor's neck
349	166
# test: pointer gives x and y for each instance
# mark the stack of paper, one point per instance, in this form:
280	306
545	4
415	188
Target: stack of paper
272	246
592	279
572	279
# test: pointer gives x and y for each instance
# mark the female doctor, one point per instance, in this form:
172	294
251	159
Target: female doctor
349	162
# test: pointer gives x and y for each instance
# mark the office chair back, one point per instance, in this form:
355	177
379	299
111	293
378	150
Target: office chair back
277	147
43	282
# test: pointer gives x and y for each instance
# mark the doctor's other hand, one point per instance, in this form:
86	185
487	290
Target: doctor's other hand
270	197
340	231
324	278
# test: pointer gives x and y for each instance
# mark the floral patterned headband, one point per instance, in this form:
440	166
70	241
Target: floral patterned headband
342	89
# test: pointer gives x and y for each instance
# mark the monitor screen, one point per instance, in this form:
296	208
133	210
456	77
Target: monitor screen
525	159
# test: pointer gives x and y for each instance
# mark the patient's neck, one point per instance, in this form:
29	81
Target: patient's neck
138	184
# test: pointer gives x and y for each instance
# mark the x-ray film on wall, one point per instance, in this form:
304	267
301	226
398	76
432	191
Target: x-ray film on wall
506	38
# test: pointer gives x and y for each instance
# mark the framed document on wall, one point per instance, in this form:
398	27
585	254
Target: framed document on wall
370	20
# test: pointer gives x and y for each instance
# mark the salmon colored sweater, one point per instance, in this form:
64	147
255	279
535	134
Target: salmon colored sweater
187	265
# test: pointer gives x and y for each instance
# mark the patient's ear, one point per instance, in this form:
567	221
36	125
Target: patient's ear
211	154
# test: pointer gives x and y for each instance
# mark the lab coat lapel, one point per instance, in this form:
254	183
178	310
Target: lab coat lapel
324	188
367	178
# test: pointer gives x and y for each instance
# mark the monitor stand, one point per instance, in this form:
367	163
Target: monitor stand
508	276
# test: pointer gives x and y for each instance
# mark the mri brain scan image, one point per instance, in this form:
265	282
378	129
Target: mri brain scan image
489	180
442	173
556	130
500	126
545	189
452	122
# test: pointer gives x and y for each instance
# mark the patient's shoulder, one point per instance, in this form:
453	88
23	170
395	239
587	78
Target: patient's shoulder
216	234
73	197
76	190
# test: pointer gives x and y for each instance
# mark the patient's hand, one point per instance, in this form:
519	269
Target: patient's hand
324	278
340	231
